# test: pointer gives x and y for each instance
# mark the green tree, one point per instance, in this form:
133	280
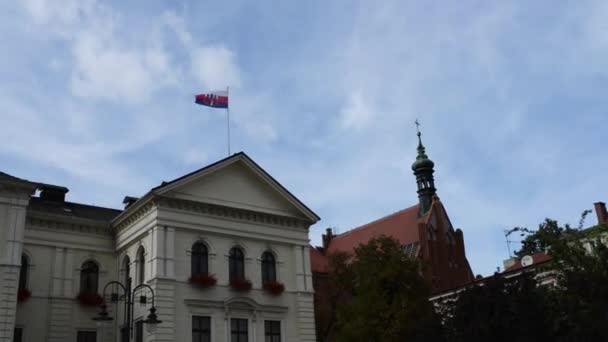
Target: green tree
581	262
331	292
388	297
502	309
578	304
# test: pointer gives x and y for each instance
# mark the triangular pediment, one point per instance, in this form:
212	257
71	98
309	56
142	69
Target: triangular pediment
239	183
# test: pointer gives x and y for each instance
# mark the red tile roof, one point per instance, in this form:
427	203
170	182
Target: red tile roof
318	261
537	258
402	225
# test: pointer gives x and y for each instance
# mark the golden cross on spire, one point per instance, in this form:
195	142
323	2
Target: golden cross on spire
417	126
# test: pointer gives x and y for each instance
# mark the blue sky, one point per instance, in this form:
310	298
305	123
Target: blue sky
98	96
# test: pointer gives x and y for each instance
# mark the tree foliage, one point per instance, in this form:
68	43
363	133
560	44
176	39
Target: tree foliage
501	310
517	309
387	298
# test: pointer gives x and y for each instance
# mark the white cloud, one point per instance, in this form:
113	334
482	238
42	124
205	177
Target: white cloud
215	67
196	157
357	113
82	155
104	69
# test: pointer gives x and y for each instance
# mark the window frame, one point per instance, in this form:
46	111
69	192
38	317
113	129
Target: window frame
86	338
199	259
17	337
126	268
89	270
272	336
236	264
23	272
138	333
269	267
141	265
202	330
239	333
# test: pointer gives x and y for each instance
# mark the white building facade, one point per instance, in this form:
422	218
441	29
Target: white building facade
224	249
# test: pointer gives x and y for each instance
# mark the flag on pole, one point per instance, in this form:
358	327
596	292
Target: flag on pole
215	99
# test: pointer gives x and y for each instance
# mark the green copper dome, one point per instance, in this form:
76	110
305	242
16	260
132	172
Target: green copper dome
422	160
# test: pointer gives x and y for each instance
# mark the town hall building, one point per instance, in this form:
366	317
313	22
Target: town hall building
220	254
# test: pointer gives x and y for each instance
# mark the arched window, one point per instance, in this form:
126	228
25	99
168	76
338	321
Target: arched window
126	268
199	259
236	264
141	265
269	267
89	277
23	273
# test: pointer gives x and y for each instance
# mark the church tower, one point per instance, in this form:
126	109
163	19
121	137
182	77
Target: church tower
423	170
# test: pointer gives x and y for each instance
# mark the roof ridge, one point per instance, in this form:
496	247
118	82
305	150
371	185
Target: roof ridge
75	203
376	221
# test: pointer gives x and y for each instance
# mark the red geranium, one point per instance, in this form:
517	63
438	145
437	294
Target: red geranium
89	299
203	280
23	295
240	284
274	287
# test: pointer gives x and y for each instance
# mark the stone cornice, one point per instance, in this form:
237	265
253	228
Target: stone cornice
35	219
232	213
135	216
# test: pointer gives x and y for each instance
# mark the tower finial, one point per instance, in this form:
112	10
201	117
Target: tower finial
420	146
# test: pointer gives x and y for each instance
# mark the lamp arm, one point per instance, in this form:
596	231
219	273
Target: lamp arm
114	282
141	286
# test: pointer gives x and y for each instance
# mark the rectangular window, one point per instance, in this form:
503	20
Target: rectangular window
201	329
272	331
86	336
124	334
238	330
18	335
139	331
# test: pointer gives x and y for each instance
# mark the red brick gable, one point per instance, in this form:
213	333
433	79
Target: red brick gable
402	225
318	261
430	238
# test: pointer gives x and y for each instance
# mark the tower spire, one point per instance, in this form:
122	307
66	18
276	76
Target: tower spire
423	170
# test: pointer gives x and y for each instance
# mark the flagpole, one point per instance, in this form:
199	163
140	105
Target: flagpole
228	118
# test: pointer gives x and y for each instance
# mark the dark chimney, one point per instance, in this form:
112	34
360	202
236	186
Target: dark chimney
327	238
128	200
600	211
52	192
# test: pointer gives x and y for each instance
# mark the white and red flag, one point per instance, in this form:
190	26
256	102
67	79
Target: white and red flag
215	99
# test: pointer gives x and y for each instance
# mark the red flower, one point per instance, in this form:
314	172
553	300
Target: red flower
203	280
274	287
240	284
23	295
89	299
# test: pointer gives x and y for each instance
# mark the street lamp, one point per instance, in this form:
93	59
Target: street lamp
127	330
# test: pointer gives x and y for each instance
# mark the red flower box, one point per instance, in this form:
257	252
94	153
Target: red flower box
274	287
89	299
23	295
240	284
203	280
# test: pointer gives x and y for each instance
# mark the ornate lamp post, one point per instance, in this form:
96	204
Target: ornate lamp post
128	297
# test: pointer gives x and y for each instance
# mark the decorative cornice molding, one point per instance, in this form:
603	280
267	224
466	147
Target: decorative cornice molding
70	224
134	217
232	213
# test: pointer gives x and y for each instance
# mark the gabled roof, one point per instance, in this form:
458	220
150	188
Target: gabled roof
165	187
5	177
75	210
402	225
